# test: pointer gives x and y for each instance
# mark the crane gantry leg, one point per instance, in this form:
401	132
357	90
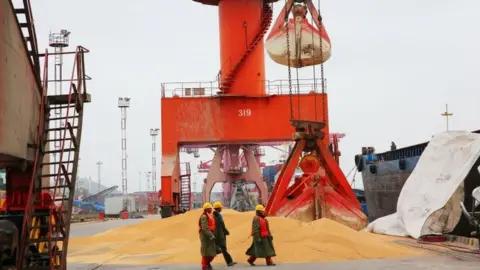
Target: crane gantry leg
232	172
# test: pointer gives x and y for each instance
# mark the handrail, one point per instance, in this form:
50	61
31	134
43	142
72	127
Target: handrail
39	141
62	169
210	88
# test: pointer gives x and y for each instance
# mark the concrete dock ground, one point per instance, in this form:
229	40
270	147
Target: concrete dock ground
438	260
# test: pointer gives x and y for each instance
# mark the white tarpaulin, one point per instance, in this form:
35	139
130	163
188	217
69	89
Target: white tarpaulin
429	202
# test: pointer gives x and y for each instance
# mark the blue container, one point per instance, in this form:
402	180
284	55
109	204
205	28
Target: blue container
364	208
269	173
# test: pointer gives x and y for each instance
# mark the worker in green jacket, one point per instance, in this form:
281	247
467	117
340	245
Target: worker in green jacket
262	245
206	230
221	233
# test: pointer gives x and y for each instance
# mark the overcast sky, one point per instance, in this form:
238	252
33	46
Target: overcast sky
394	66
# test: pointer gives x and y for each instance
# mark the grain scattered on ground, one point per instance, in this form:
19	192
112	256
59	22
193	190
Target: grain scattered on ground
175	240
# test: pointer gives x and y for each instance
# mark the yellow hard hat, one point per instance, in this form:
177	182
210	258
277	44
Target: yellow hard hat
217	204
207	205
259	208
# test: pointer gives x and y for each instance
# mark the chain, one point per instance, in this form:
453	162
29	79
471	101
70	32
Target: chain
314	75
298	62
289	66
324	105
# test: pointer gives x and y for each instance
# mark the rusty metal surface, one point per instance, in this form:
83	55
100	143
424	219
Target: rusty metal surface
19	91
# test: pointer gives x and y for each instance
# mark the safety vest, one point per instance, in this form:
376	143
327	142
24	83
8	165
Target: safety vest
263	227
211	222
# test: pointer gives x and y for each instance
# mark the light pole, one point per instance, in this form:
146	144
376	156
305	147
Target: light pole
147	175
139	181
99	165
58	41
124	104
154	134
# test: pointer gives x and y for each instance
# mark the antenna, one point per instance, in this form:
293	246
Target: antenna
447	116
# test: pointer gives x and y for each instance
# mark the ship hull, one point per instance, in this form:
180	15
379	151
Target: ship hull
382	189
19	92
384	180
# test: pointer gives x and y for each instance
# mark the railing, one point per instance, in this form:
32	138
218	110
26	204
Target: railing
185	168
210	88
39	140
69	140
76	87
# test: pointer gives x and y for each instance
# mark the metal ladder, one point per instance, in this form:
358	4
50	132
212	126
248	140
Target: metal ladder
47	232
185	186
23	11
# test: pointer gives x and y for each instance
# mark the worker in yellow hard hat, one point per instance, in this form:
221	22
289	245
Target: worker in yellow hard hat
262	244
206	230
221	233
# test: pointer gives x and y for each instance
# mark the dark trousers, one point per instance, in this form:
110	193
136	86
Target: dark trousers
226	255
253	259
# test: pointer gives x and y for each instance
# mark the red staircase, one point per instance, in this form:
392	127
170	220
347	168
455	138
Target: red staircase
227	82
185	186
45	232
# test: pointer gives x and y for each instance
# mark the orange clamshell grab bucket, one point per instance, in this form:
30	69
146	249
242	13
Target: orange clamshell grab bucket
304	41
322	191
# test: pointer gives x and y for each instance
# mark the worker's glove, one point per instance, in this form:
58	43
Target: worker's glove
271	237
258	239
213	237
227	233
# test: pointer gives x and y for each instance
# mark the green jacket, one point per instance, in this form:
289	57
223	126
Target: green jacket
221	231
207	238
262	247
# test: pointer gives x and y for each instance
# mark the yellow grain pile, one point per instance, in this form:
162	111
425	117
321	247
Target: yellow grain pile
175	240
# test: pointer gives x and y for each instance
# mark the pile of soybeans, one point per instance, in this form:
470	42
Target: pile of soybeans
176	240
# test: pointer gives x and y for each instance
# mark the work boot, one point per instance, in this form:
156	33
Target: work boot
251	263
270	262
231	263
210	267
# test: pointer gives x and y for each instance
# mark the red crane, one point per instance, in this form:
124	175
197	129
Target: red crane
246	111
241	111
